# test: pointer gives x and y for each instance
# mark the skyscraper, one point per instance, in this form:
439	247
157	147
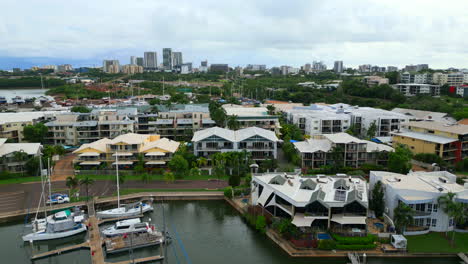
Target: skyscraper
204	66
177	59
110	66
167	58
338	67
140	61
150	60
132	60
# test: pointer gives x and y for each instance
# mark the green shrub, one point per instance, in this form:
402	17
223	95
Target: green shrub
369	239
326	244
260	224
429	158
355	247
234	180
228	192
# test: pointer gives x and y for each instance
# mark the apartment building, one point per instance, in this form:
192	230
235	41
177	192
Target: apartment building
412	89
177	122
329	119
253	116
126	151
448	141
12	124
375	80
419	78
319	150
8	159
261	143
80	128
421	191
451	79
420	115
329	202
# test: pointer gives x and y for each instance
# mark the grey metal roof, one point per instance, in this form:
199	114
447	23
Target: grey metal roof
278	180
308	184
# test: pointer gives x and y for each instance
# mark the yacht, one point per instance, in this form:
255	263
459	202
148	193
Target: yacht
126	227
59	225
3	100
133	209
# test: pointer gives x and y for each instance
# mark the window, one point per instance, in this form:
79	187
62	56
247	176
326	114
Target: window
451	222
434	222
420	207
435	207
429	208
428	222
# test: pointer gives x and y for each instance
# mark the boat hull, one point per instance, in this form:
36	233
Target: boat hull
48	236
119	212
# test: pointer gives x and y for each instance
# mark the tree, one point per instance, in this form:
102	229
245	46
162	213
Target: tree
87	181
337	157
21	157
372	130
377	199
403	216
447	204
178	165
35	133
71	183
269	164
232	122
459	214
271	109
352	130
195	173
80	109
234	180
145	177
292	131
169	177
32	166
399	161
202	162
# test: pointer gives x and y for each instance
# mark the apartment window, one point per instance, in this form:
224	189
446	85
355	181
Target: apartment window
420	207
451	222
428	222
429	208
434	222
435	207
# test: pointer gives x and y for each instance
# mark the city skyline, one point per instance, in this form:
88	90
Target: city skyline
297	33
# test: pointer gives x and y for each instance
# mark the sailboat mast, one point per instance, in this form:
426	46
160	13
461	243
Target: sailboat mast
117	173
48	176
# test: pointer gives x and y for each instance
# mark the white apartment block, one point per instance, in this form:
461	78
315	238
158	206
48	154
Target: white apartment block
253	116
261	143
452	79
421	190
412	89
329	119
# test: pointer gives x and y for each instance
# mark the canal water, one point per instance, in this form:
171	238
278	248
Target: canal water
24	93
203	232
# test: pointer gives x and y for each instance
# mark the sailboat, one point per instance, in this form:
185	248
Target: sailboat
122	210
59	225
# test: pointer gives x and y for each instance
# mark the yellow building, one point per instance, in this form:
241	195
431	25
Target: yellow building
126	151
448	141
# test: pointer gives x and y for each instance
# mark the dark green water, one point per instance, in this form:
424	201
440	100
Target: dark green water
211	232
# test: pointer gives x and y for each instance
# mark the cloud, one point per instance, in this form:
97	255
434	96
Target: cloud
295	32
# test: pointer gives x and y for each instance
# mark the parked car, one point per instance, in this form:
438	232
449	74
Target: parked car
58	198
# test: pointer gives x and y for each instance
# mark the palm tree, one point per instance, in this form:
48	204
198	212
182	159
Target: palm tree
459	214
71	183
447	204
20	156
169	177
403	216
232	122
87	181
201	162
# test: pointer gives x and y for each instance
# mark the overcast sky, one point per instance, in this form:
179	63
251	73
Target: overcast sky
272	32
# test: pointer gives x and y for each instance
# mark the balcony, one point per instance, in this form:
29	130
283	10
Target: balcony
421	213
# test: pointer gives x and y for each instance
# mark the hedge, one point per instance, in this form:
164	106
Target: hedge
326	244
355	247
369	239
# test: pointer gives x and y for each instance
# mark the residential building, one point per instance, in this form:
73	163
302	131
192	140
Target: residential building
419	115
125	151
132	69
150	60
375	80
80	128
256	67
365	68
177	59
253	116
392	68
111	66
416	68
412	89
328	119
8	160
318	66
204	66
425	78
167	58
64	68
338	67
462	90
12	124
337	203
133	60
219	68
186	68
140	61
451	79
448	141
406	77
307	68
321	150
421	191
261	143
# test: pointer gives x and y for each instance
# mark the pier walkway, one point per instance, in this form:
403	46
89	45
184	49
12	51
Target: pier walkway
60	251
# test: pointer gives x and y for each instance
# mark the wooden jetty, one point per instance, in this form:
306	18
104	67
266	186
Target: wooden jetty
463	257
132	241
60	251
140	260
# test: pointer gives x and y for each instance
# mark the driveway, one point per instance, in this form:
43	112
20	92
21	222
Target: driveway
63	168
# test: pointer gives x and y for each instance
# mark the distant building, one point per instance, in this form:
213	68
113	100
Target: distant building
451	79
412	89
318	66
167	58
416	68
132	60
111	66
8	161
186	68
204	66
177	59
256	67
338	67
275	71
140	61
150	60
375	80
419	115
132	69
219	67
12	124
307	68
392	69
365	68
64	68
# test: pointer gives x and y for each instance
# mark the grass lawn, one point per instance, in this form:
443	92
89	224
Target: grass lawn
130	191
437	243
21	180
152	177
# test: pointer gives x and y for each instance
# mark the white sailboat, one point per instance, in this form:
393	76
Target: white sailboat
59	225
127	227
128	210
